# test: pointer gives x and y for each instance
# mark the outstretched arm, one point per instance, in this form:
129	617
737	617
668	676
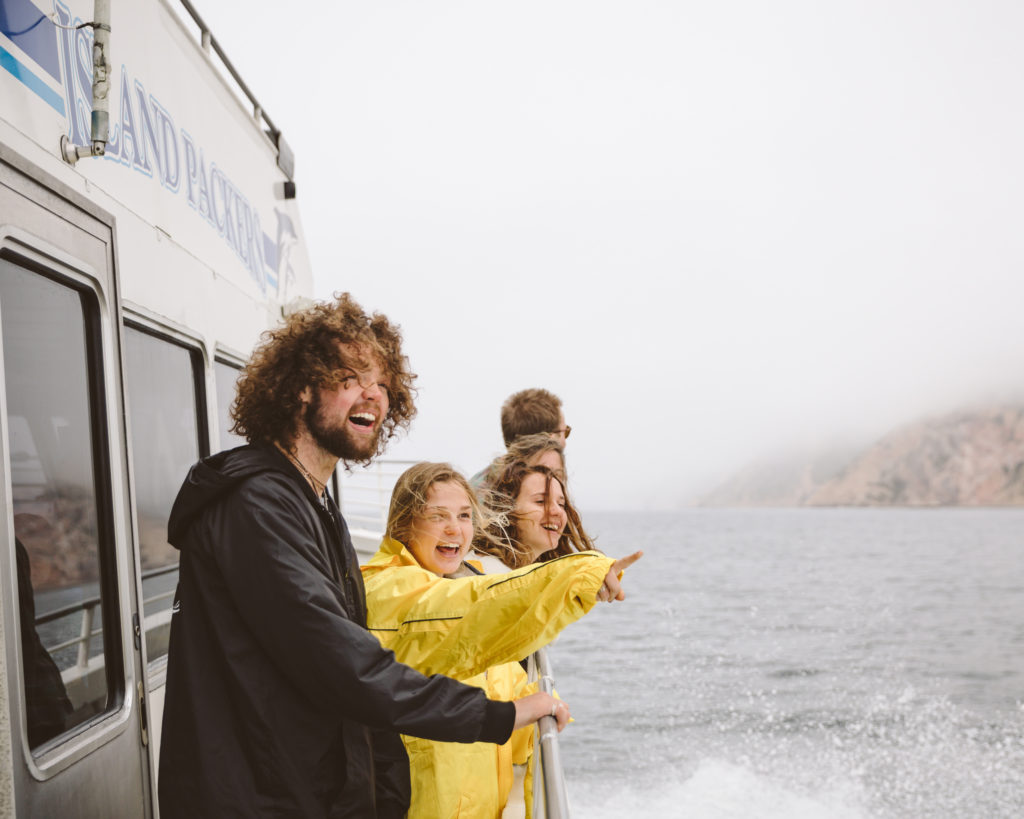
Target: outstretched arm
285	598
461	627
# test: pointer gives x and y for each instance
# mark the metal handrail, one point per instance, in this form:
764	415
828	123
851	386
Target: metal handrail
88	607
363	524
378	469
366	503
160	570
65	611
156	597
552	800
208	42
374	509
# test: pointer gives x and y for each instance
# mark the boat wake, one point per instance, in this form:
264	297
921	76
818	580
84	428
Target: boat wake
904	756
718	789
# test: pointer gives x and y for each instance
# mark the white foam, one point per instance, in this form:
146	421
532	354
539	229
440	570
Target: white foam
720	790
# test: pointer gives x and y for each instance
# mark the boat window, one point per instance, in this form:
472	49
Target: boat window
227	376
60	503
163	380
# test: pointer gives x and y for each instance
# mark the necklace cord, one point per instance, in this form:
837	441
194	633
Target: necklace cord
319	486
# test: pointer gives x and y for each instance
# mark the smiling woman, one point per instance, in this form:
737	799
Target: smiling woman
540	513
435	513
539	521
473	627
443	530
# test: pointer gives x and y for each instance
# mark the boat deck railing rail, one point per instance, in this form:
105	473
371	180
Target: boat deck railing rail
550	798
209	44
364	497
87	633
364	494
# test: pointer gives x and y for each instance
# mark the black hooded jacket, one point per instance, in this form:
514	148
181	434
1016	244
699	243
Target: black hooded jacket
272	678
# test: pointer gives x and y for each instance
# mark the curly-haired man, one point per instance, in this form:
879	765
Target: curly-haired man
273	682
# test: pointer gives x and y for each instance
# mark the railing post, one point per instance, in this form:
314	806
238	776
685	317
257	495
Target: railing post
556	800
86	637
382	502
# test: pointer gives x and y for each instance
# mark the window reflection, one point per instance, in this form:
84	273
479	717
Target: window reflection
227	377
54	501
160	377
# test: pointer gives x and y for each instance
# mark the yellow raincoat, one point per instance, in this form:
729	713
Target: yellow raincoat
462	628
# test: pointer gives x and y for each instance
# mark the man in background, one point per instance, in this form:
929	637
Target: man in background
526	414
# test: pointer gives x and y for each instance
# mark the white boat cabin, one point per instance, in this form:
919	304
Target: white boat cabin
133	284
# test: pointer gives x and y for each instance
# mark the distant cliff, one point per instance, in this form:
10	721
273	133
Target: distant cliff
968	458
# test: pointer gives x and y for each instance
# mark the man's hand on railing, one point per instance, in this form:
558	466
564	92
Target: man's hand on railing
612	588
532	708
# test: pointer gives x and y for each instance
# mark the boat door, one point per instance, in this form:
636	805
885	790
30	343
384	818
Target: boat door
70	693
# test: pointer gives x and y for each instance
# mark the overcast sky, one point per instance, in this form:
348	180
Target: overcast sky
715	229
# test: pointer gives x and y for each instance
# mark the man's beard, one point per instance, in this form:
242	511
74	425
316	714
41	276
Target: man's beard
336	438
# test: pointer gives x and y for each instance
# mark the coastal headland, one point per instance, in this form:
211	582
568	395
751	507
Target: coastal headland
972	457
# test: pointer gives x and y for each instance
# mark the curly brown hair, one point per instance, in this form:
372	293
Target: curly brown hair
501	536
306	352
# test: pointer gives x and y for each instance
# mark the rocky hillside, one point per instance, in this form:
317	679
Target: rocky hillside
968	458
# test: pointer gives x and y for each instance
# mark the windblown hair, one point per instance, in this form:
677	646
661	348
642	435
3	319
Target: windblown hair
528	412
409	498
304	352
501	536
525	448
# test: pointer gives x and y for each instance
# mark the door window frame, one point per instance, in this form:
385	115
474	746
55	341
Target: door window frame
116	564
156	670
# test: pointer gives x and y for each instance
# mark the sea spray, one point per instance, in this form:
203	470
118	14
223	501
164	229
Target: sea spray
719	790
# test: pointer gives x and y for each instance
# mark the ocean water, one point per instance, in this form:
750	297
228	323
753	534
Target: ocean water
802	664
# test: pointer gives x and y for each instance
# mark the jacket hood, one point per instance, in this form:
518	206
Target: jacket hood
390	553
393	553
213	477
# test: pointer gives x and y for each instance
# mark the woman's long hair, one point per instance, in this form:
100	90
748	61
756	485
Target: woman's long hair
525	448
501	536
